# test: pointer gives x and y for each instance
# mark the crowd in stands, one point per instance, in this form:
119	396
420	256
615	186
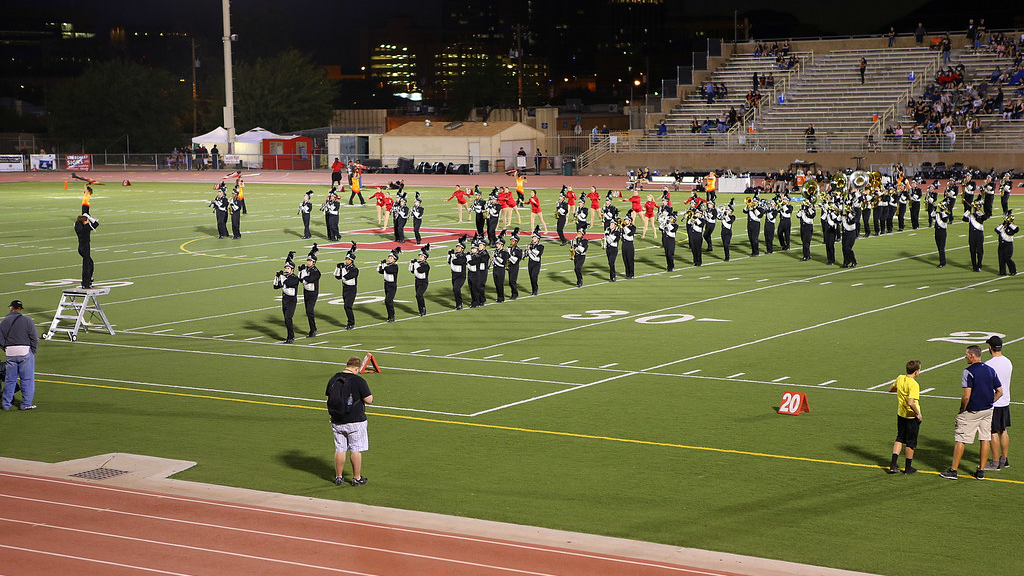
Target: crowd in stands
775	49
722	124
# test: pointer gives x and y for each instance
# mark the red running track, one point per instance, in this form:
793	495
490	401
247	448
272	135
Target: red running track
62	526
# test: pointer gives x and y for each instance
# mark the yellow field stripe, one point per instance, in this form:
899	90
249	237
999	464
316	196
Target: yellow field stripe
513	429
187	251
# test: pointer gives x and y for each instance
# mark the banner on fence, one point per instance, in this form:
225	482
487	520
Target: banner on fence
79	162
12	163
43	162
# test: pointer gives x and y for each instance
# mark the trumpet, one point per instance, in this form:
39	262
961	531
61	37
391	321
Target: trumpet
750	202
1009	218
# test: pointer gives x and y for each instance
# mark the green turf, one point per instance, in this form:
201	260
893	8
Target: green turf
597	423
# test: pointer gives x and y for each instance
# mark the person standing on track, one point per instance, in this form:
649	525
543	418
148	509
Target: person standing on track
347	397
336	169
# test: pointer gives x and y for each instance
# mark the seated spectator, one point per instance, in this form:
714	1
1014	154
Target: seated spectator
694	126
763	81
733	116
770	81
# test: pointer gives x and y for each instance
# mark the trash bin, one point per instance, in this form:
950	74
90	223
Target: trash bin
568	167
485	165
499	165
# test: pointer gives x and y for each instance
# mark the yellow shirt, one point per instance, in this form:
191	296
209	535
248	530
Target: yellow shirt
519	184
907	388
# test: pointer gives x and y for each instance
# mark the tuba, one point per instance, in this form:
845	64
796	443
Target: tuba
859	179
810	190
840	182
875	179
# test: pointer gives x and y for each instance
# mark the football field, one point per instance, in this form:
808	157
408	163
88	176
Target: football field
644	408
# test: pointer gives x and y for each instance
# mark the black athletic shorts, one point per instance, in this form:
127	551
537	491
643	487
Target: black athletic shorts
906	431
1000	419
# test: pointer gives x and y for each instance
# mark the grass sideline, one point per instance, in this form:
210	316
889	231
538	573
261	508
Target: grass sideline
642	409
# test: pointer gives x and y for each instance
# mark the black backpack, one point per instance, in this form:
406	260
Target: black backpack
340	394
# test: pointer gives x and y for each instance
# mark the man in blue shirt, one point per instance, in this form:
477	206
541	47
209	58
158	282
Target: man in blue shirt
981	388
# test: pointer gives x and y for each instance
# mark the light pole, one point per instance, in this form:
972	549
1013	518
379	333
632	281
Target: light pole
636	83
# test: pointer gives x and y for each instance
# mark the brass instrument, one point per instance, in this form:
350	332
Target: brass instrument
875	179
810	190
840	182
859	179
1008	219
749	202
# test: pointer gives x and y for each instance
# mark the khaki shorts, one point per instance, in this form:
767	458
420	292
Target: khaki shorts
969	424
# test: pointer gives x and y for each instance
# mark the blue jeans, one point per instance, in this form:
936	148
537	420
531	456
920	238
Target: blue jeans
24	367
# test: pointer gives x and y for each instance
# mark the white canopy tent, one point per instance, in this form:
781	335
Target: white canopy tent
248	145
218	135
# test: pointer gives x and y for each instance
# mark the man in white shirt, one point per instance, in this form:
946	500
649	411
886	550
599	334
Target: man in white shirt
1001	407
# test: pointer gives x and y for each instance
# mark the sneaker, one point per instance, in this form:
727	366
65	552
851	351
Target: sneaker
950	474
339	481
28	407
979	474
992	465
359	481
1004	463
910	470
892	470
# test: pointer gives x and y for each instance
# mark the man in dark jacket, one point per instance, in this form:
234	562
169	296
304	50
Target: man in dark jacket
19	341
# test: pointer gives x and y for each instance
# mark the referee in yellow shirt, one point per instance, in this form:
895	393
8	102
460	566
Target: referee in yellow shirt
908	416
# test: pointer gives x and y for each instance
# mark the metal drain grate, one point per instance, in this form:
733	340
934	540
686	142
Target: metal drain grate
100	473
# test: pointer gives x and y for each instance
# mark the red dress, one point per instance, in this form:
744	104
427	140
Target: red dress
649	207
379	196
570	197
534	205
635	200
389	202
595	200
459	195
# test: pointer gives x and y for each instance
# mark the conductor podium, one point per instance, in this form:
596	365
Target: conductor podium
81	306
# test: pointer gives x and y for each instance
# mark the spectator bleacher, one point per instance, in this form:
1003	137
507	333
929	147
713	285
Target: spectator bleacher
736	74
829	94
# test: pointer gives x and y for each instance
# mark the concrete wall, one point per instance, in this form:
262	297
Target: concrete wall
620	163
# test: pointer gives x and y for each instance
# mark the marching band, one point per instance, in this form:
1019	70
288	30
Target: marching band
848	206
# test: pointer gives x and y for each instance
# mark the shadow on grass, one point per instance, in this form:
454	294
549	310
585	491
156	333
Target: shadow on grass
317	466
208	230
277	332
931	454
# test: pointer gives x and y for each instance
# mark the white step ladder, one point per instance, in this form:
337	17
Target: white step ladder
83	306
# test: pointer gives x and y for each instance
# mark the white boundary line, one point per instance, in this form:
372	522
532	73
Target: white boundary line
92	560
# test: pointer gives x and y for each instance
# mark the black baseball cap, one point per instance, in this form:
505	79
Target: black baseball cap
995	342
16	304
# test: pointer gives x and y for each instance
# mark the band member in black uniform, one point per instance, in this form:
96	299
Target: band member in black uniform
612	236
305	208
942	218
348	274
479	208
534	252
579	246
770	214
472	266
309	275
988	188
84	225
493	215
915	207
483	259
1006	185
417	218
969	188
830	224
333	210
849	225
628	237
389	269
401	216
288	283
878	213
710	220
932	200
806	216
561	210
220	209
950	196
785	230
668	240
975	219
889	201
695	235
1006	231
754	215
515	258
865	201
902	199
498	262
235	210
457	263
610	212
582	216
728	218
421	272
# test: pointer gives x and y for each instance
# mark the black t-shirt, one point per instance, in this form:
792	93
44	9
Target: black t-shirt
357	389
